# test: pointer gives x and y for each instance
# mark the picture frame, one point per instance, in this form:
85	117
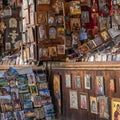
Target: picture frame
61	49
40	2
103	109
60	32
112	85
105	35
93	105
99	85
60	20
74	7
73	99
34	90
87	81
75	38
52	51
52	33
32	52
51	18
75	24
85	17
43	52
84	48
68	42
84	101
78	82
41	18
31	79
42	33
68	80
115	105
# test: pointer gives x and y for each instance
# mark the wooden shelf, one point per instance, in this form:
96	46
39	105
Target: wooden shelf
89	66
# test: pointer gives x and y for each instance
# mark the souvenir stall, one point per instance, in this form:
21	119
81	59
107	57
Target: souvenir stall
78	40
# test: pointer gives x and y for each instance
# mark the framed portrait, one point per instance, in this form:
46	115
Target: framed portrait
75	24
84	101
43	2
112	85
68	80
75	38
68	42
51	18
93	105
84	48
73	99
39	113
98	41
85	17
37	101
59	20
60	31
105	35
61	49
103	109
52	33
115	106
87	81
52	51
42	32
42	18
45	52
99	85
33	90
75	8
78	83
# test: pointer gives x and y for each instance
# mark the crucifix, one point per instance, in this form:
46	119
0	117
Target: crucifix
13	36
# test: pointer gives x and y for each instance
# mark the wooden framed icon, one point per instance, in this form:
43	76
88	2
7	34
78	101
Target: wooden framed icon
99	85
87	81
73	99
84	101
115	106
41	17
93	105
105	35
68	80
61	49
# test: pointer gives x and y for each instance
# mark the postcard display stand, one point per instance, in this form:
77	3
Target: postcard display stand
28	30
24	95
90	90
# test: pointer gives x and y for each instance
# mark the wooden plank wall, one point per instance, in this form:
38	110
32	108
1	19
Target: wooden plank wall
80	114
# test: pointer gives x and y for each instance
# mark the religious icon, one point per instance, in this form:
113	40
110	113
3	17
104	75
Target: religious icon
87	80
93	105
73	99
99	85
52	33
12	23
84	101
